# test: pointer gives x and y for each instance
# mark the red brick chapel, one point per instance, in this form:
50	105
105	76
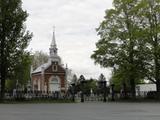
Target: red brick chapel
51	76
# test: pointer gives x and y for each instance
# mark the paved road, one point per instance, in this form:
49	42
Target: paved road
81	111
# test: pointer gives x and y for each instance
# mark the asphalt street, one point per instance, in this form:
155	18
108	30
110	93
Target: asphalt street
81	111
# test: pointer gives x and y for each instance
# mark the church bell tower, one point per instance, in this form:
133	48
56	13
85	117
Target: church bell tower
54	50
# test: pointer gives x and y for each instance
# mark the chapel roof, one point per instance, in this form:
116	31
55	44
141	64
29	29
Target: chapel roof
39	69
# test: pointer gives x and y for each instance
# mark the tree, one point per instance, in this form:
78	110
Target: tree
119	46
39	58
82	78
92	85
74	79
102	78
81	83
21	72
150	21
86	85
89	85
120	80
13	37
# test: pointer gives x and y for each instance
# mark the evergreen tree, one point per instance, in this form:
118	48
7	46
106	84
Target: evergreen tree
102	78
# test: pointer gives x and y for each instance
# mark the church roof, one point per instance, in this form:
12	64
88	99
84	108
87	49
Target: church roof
39	69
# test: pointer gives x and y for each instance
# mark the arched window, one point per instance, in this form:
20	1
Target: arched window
54	81
54	84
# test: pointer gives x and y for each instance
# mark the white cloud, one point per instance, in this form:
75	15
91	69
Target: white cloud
75	22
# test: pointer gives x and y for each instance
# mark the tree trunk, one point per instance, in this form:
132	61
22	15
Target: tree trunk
2	86
156	69
132	84
2	71
2	52
158	88
124	91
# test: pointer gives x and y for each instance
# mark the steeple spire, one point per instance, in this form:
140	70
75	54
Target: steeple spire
53	47
53	43
53	50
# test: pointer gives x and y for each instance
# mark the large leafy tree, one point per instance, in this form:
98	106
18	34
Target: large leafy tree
120	46
120	80
13	37
21	72
150	17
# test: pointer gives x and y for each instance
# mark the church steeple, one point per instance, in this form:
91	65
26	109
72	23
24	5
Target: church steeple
53	46
53	50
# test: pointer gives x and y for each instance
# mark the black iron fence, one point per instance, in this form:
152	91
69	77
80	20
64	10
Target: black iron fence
120	96
36	95
42	95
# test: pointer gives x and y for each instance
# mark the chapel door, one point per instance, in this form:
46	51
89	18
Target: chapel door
54	84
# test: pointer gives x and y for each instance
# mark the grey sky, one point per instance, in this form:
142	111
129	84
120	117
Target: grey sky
75	22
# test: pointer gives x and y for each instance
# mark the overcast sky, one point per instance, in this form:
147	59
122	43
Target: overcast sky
75	22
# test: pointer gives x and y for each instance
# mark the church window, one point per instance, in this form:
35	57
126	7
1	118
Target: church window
54	68
54	81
